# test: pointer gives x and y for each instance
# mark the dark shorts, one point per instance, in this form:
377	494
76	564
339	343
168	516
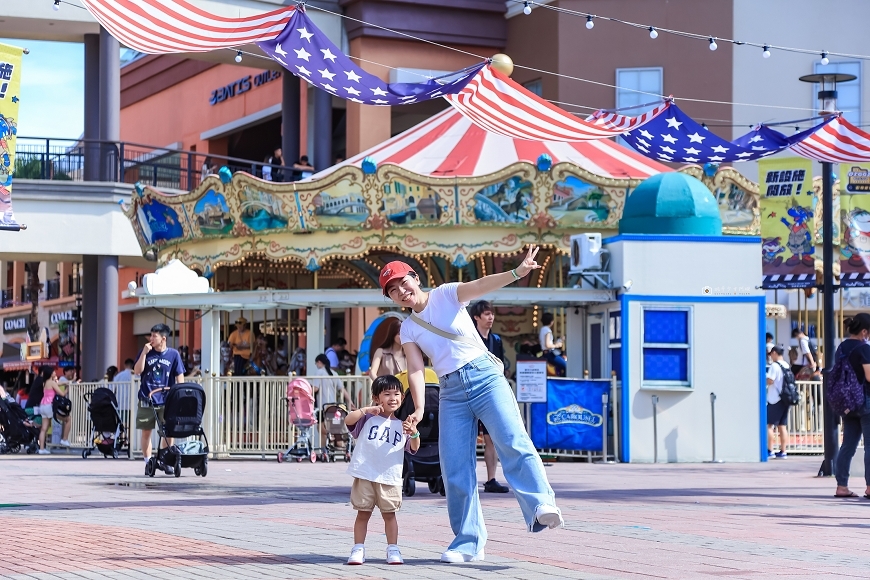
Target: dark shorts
481	428
777	414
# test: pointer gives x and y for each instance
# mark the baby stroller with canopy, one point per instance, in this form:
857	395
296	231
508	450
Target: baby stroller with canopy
338	439
300	409
183	409
16	429
108	433
425	465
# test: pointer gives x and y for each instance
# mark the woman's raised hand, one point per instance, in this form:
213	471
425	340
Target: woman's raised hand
528	263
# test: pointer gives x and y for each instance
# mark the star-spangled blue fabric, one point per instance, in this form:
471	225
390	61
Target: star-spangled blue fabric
305	51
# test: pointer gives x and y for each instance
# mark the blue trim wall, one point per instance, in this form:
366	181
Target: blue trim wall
625	414
678	238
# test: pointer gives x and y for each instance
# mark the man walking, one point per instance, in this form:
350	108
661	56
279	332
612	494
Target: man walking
334	352
805	358
777	407
158	366
483	316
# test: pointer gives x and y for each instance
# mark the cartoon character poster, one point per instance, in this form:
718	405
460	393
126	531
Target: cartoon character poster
787	222
855	219
10	85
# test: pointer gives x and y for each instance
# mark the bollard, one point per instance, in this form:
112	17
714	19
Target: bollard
604	400
713	426
655	402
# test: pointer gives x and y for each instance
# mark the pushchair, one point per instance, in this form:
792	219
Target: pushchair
16	429
108	433
425	465
338	439
183	409
300	409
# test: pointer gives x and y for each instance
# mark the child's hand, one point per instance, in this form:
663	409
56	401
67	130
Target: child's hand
374	410
409	428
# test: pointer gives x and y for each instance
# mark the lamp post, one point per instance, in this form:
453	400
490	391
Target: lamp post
827	107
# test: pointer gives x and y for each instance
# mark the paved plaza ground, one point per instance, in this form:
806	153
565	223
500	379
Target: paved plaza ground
258	519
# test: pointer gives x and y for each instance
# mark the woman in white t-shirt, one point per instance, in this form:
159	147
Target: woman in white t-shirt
472	388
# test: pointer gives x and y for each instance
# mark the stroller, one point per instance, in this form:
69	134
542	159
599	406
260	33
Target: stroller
108	434
300	406
333	415
16	429
425	465
183	408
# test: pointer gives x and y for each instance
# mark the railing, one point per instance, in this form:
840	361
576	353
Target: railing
6	298
65	159
52	289
80	431
806	420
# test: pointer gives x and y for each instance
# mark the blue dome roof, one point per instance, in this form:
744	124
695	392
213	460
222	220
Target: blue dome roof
671	203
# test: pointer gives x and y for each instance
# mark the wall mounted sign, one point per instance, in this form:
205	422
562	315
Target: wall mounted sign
15	324
56	317
242	85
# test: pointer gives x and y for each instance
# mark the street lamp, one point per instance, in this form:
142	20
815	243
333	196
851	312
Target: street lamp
827	107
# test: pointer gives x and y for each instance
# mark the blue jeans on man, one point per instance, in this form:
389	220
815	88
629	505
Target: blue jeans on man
854	426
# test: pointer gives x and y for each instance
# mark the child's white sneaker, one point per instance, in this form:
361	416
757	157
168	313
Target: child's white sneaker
455	557
550	516
358	555
394	556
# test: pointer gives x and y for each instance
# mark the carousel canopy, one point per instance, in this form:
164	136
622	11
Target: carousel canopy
451	145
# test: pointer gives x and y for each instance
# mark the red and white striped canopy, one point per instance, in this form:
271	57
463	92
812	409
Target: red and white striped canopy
451	145
173	26
835	141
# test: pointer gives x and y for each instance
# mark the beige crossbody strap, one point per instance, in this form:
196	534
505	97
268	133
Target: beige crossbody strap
447	335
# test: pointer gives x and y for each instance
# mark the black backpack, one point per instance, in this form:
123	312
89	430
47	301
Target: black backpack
789	392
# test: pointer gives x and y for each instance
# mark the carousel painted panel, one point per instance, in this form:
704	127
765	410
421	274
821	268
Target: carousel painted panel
506	197
579	199
738	197
404	199
160	220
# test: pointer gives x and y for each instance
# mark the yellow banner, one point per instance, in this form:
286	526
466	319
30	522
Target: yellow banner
855	217
10	92
787	227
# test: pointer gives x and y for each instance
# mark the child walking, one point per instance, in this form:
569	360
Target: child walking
376	465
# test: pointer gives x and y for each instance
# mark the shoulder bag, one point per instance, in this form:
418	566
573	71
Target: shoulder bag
499	364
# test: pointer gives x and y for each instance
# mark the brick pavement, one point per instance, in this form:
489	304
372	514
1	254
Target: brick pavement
252	519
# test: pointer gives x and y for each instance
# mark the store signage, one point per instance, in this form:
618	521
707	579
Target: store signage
56	317
15	324
243	85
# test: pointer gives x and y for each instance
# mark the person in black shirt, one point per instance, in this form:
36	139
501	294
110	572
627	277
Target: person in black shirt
483	316
857	423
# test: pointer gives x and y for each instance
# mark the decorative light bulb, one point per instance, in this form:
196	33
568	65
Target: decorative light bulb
653	33
239	56
56	6
589	24
824	60
766	53
527	9
713	45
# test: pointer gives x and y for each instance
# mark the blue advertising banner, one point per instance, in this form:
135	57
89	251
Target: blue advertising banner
571	418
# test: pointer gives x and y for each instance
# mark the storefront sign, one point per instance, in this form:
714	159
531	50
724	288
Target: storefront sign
532	381
56	317
15	324
242	85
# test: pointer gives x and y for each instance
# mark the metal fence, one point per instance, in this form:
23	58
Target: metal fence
806	420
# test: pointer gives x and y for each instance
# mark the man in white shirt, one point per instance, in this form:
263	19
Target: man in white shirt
125	376
805	352
777	407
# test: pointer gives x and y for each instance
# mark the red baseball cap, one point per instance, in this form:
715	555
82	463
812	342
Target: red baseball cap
394	270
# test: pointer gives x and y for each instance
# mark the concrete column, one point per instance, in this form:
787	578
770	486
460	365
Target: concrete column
575	329
107	312
315	337
290	121
110	102
322	129
210	325
92	107
3	282
19	278
90	324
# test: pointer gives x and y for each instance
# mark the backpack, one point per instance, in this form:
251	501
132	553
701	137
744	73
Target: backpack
789	392
845	391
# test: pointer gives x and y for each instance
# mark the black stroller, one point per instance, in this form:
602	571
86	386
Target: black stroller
108	434
16	429
338	439
183	409
425	465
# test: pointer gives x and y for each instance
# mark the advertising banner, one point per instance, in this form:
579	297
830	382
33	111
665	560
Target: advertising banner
787	224
572	417
855	217
10	85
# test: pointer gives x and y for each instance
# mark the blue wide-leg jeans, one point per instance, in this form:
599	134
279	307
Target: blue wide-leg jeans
479	390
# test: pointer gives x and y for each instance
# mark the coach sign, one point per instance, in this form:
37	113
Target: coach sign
56	317
15	324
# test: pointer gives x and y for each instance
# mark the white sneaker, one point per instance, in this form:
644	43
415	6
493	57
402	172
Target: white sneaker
550	516
358	555
394	556
455	557
64	443
43	452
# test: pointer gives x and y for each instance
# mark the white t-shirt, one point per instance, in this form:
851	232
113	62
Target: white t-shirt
542	336
328	386
774	391
379	450
445	312
803	351
122	392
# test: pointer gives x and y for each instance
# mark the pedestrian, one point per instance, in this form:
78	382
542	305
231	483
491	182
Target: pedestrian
277	163
376	465
777	406
68	376
158	366
331	386
805	355
334	352
110	373
44	388
484	317
551	348
855	350
768	344
302	169
240	341
389	358
124	386
473	387
207	169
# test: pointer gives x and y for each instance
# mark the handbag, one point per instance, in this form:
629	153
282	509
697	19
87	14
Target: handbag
459	338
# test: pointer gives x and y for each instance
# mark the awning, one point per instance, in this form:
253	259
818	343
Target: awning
450	145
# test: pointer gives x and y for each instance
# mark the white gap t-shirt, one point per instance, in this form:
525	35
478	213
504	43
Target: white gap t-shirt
379	449
445	312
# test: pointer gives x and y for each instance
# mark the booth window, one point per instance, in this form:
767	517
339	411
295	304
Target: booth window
666	347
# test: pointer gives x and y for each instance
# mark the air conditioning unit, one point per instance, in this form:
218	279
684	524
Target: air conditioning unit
586	253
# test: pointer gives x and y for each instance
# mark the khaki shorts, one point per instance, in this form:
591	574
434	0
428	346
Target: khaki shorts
145	416
365	495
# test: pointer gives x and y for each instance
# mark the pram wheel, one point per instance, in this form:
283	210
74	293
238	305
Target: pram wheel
433	485
178	467
149	467
441	489
86	453
410	487
313	457
280	458
298	460
114	454
347	457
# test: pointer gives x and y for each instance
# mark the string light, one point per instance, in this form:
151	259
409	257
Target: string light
824	60
239	56
527	8
56	6
766	53
653	33
713	45
589	23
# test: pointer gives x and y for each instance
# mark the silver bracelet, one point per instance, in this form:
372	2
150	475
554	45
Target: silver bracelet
516	276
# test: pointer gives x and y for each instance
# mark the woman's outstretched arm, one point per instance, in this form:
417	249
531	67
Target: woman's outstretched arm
468	291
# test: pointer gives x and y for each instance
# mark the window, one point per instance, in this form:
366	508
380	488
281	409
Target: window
615	343
666	347
848	94
535	86
631	80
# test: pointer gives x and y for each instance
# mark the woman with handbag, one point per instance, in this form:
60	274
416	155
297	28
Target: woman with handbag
473	387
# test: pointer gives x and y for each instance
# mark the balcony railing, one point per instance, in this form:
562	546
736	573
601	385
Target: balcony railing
85	160
6	298
52	289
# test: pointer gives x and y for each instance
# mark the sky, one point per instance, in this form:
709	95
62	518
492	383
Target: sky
52	89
